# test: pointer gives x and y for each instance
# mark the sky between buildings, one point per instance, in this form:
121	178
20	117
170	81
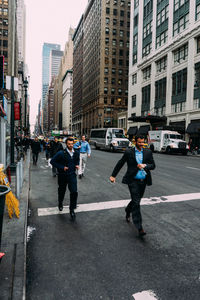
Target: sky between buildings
47	21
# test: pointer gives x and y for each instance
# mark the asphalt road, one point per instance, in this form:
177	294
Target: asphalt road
100	256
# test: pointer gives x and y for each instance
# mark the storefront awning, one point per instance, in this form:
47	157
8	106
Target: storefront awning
132	130
149	118
193	128
143	130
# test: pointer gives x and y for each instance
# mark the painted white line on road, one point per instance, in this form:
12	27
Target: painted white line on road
146	295
118	204
193	168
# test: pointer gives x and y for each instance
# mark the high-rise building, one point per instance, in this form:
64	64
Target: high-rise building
67	101
45	67
55	60
77	109
164	73
21	30
4	38
105	62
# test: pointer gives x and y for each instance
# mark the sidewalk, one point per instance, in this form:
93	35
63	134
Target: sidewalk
13	265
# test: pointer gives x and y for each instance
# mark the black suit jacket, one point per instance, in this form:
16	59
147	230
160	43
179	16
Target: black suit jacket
132	169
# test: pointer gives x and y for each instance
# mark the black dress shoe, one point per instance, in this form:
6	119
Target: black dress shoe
127	216
80	176
73	215
60	206
141	232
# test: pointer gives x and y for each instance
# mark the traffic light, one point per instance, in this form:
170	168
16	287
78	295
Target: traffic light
1	72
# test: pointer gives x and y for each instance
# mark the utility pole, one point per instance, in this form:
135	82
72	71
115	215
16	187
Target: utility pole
25	104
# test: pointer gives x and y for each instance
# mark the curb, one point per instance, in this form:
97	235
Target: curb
19	276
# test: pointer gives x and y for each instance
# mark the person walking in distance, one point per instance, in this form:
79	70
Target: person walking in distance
55	146
85	151
67	162
139	161
35	146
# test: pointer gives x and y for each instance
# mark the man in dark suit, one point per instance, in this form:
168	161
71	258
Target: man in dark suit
67	161
140	161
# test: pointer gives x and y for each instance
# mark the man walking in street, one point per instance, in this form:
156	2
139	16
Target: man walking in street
139	161
67	162
35	146
85	151
55	146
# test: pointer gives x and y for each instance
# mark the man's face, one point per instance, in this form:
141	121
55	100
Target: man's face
56	140
36	139
70	145
83	138
140	143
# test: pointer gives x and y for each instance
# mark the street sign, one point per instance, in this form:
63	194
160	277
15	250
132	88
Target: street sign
17	111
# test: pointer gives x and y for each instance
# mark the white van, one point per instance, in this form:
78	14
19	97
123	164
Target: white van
112	139
167	141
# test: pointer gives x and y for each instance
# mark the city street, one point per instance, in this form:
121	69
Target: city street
100	255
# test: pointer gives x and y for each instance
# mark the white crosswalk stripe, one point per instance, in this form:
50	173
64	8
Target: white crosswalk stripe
119	203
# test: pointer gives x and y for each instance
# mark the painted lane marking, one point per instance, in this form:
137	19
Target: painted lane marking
192	168
118	204
145	295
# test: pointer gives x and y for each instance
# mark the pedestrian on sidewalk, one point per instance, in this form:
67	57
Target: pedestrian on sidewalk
139	161
47	149
55	146
85	152
35	146
67	162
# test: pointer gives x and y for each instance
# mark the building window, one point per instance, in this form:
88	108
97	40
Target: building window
105	100
113	81
135	40
115	2
107	10
121	52
114	21
181	54
148	8
119	91
114	31
133	101
114	42
162	39
120	81
106	60
107	21
134	58
198	12
179	3
120	71
5	54
136	3
135	21
121	23
178	107
106	41
105	80
106	51
5	22
105	90
115	12
146	97
161	64
121	13
146	73
107	30
105	70
147	30
146	50
121	62
114	51
5	32
113	61
163	15
121	43
113	70
160	91
112	91
181	25
134	78
5	11
5	43
179	82
198	44
121	33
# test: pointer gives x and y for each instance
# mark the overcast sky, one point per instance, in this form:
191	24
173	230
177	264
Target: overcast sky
47	21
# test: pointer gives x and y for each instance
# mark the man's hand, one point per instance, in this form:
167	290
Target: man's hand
141	166
79	147
88	155
77	167
66	168
112	179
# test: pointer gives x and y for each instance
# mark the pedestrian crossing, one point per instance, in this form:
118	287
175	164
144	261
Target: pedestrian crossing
88	207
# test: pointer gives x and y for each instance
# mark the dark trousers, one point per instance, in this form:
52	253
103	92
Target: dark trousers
35	158
137	189
71	182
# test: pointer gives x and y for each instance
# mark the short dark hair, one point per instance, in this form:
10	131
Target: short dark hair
140	136
70	138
